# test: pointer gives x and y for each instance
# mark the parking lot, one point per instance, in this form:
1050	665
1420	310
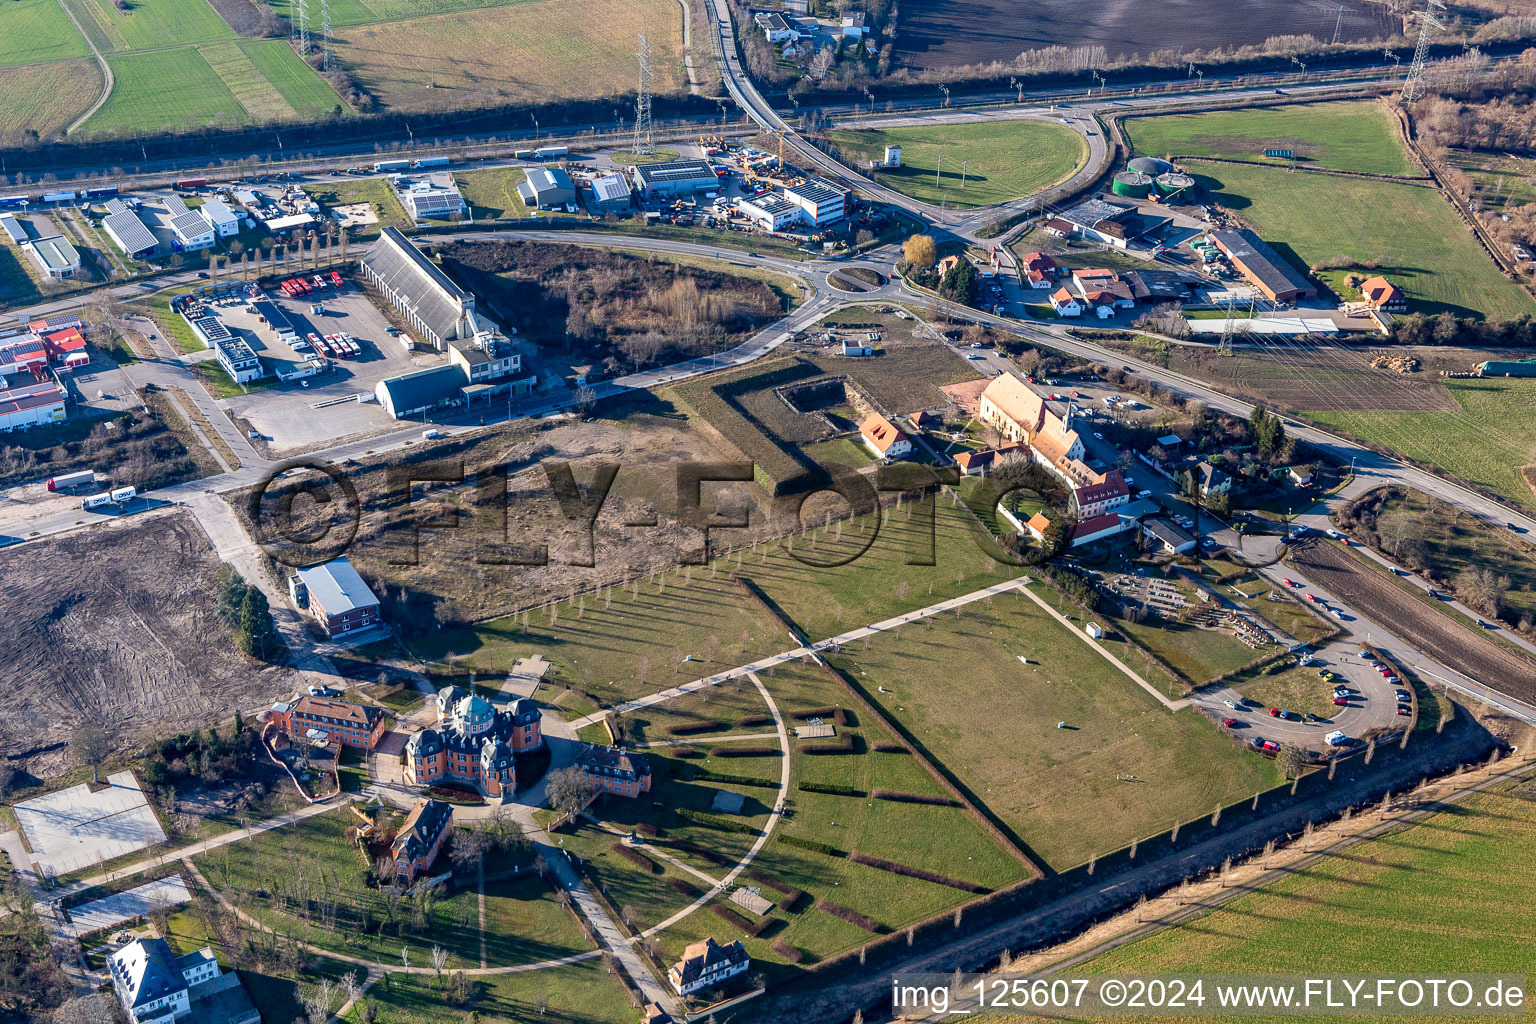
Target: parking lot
300	414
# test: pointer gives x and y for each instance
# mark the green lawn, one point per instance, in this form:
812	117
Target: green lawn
1486	442
151	24
583	992
34	31
170	89
1347	136
1123	768
304	90
1002	160
1411	233
525	923
1448	894
492	193
840	451
1300	690
1199	655
344	13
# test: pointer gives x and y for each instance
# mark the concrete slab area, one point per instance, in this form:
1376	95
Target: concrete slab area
75	828
91	917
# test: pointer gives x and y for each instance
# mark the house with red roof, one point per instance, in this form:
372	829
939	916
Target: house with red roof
1379	293
66	349
883	438
1038	269
1065	303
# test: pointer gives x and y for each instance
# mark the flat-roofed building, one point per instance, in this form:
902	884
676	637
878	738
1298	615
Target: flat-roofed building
771	212
220	217
674	178
33	403
435	197
127	231
56	259
438	309
13	229
822	202
545	188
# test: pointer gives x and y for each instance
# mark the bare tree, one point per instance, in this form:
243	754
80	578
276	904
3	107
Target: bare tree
439	961
90	745
568	790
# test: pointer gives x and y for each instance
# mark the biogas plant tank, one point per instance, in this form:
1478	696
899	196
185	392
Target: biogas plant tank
1132	184
1173	182
1149	165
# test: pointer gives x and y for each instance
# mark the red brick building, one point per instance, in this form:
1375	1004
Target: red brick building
352	725
421	838
337	596
474	743
614	770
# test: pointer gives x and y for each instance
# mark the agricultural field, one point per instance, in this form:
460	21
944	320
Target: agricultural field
165	89
492	193
1125	768
1409	231
535	51
36	32
45	98
1442	894
1485	440
1003	160
304	91
1348	136
152	24
949	33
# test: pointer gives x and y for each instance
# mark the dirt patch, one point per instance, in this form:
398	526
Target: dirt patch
240	15
115	627
1437	635
624	312
857	279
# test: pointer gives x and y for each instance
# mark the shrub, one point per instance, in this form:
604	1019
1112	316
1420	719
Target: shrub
730	917
844	744
913	798
788	952
792	895
705	775
811	844
714	821
735	751
645	828
689	728
911	872
852	916
827	787
636	858
690	753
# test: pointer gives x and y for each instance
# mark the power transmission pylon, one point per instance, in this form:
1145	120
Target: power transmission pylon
643	100
1224	347
1429	18
301	22
328	61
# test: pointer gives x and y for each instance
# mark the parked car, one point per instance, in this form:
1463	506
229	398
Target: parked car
1271	747
1274	712
1336	738
1365	654
1404	696
1341	702
1404	710
1234	705
1231	723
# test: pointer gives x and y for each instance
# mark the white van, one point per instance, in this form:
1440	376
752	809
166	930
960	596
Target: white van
1336	738
428	435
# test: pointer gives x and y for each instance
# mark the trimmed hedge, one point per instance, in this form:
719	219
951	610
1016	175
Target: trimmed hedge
840	716
645	828
788	952
636	858
746	924
913	798
689	728
811	844
691	753
890	748
852	916
705	775
792	896
683	886
714	821
844	744
735	751
827	787
911	872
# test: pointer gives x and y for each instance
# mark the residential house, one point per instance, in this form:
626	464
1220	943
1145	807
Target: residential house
614	770
775	27
706	965
1100	497
474	743
421	838
1379	293
1039	270
346	723
986	460
157	987
882	437
1209	479
1065	303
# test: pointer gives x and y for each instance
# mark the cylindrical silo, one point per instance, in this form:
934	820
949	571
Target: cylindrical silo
1132	184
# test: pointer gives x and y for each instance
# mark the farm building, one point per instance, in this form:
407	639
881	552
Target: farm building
674	178
420	838
351	725
546	188
614	770
1379	293
1507	368
27	405
610	193
421	391
220	217
771	212
337	596
435	197
439	309
883	438
127	231
1038	269
56	259
823	202
707	964
192	231
1264	268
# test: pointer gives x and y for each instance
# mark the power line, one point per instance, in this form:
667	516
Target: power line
328	62
301	22
1429	18
642	144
